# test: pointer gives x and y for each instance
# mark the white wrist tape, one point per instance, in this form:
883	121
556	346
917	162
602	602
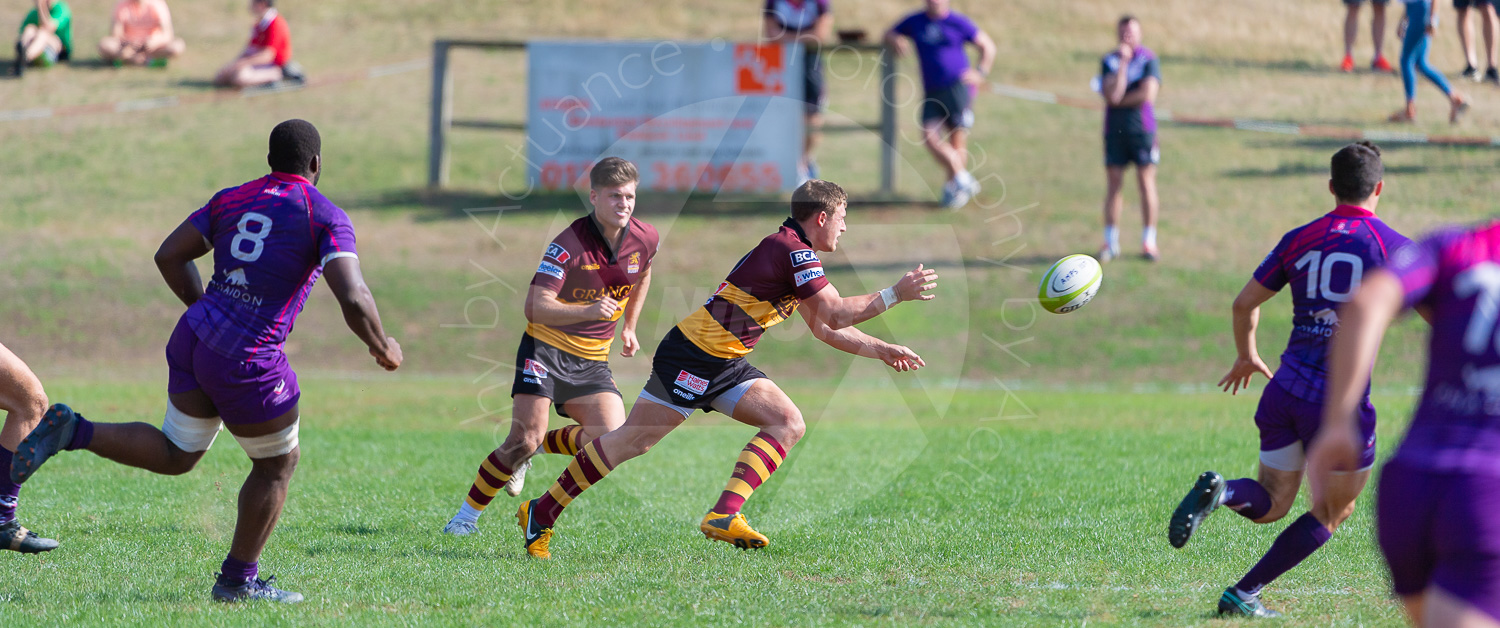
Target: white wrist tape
888	295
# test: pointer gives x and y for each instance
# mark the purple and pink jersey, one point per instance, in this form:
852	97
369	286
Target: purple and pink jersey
940	46
1455	274
1124	120
1324	261
271	238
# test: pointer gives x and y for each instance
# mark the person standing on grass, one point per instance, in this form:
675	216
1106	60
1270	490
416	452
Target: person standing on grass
940	35
271	238
268	57
1324	263
23	401
1416	29
1488	22
810	23
1377	33
1129	80
46	35
141	34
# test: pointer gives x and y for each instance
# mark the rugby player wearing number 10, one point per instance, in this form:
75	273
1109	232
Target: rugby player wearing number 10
1324	262
701	365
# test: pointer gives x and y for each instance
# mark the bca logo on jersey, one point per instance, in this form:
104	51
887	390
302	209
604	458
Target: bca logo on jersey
534	369
759	69
804	256
557	252
692	382
236	277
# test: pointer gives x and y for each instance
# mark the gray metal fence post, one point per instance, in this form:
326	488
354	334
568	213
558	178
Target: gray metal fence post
442	117
887	122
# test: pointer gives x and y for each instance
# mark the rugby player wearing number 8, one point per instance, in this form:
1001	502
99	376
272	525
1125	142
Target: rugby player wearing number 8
1324	262
701	365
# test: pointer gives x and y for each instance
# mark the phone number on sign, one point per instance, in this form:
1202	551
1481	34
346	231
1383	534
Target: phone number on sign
678	176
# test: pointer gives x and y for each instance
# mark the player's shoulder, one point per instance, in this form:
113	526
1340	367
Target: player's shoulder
646	232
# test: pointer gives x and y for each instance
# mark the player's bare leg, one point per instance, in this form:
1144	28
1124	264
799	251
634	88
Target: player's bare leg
810	142
766	407
261	500
648	423
1377	34
1150	206
1351	32
250	76
1489	21
24	401
37	42
1114	204
160	47
145	446
955	195
1442	608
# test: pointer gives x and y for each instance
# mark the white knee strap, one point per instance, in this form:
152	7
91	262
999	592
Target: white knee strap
190	433
1289	458
271	445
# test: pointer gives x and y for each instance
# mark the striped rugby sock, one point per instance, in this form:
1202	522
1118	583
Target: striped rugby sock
587	468
492	476
565	440
757	462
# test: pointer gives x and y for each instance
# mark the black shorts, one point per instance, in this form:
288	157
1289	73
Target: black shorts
1121	149
813	92
547	371
950	105
687	377
1464	4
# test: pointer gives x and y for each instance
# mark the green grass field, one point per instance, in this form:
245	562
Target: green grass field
940	497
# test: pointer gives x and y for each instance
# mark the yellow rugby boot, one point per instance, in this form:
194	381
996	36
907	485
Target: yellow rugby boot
732	529
535	539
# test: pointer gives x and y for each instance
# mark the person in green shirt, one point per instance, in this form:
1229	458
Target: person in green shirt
46	35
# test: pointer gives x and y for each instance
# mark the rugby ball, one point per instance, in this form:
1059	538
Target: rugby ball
1070	284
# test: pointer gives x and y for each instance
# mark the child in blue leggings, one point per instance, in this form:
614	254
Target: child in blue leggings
1418	25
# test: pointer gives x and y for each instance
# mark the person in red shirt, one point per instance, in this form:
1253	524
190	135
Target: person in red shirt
268	57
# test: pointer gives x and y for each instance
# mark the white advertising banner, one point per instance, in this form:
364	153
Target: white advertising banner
707	117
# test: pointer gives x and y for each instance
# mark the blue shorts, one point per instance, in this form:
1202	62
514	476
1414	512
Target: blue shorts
1285	420
1464	4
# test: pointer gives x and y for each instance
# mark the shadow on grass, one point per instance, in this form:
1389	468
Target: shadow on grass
436	205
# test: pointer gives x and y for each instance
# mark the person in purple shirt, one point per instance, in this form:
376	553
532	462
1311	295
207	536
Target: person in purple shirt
1438	510
271	239
1323	262
1129	79
810	23
940	35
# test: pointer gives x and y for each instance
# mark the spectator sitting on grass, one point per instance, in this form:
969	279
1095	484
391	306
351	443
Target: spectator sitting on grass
267	58
46	35
141	35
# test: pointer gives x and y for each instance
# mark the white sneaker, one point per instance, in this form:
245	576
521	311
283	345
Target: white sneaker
517	480
1107	253
959	198
460	527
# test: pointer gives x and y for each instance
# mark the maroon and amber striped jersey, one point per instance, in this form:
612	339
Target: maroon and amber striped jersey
764	289
579	266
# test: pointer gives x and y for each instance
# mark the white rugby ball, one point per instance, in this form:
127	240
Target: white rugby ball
1070	284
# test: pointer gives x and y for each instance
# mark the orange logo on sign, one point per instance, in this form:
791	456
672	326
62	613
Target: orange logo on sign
759	69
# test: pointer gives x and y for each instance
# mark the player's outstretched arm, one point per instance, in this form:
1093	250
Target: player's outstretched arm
851	340
348	285
1362	324
543	307
633	316
175	261
839	312
1246	318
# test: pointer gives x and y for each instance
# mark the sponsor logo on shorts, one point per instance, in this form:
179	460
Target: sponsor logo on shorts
280	387
550	269
634	265
685	395
530	380
692	382
557	252
534	368
808	275
804	256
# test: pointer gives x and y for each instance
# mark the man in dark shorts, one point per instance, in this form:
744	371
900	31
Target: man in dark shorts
950	84
1129	80
23	401
1323	262
1437	509
271	238
1488	23
596	271
701	365
810	23
1377	32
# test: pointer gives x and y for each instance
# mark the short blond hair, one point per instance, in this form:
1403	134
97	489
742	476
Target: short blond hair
816	196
